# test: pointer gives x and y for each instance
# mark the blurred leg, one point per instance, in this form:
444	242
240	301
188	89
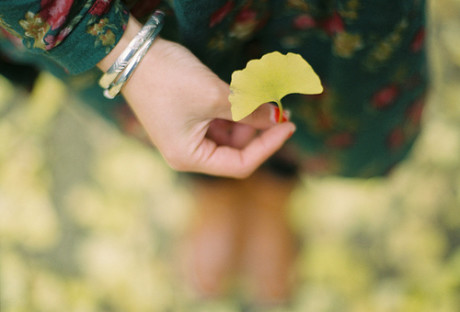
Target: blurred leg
242	222
213	242
269	249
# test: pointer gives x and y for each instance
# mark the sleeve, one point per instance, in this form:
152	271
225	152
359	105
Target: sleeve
76	34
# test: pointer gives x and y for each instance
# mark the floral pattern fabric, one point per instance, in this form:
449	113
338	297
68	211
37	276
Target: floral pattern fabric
45	28
370	56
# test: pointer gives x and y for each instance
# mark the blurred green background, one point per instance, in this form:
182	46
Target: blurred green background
89	219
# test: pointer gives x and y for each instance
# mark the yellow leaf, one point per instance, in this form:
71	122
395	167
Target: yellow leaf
269	79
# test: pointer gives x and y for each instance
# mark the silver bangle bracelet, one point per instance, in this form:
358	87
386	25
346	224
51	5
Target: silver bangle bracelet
120	71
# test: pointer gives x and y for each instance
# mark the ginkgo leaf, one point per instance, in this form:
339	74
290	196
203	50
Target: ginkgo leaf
269	79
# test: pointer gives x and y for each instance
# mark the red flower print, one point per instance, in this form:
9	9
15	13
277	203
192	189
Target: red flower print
385	97
304	21
415	111
246	15
100	7
219	15
245	24
52	41
334	24
340	140
418	41
396	138
55	12
143	7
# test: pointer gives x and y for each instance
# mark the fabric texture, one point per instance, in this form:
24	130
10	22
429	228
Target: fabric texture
370	56
64	31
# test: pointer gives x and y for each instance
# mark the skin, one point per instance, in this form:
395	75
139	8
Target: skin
184	108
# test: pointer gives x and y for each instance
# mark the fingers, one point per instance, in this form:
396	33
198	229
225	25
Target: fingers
265	116
242	135
224	132
231	162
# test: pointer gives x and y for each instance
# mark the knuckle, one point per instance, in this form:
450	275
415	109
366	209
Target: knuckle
175	161
218	96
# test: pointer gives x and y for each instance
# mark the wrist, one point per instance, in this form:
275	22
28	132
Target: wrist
132	28
134	48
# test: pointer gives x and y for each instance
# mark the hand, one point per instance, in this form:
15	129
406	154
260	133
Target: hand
184	108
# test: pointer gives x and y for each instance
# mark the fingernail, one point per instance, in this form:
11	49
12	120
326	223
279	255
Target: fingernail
275	115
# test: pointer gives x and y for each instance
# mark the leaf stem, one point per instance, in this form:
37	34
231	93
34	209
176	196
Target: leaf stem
280	106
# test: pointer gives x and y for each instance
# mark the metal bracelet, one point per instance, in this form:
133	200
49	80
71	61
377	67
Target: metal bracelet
120	71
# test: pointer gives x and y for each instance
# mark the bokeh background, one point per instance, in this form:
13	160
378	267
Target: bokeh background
89	218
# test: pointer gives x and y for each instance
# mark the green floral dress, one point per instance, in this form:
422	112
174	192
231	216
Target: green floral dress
370	56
